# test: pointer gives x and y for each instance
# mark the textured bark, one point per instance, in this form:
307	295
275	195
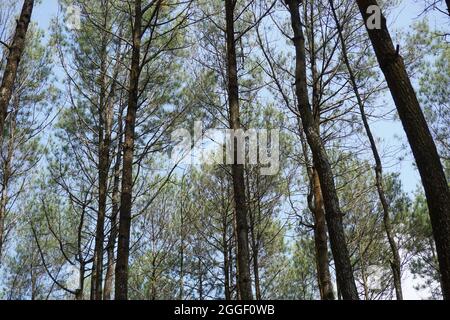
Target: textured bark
237	170
123	249
344	272
15	54
379	181
420	140
321	241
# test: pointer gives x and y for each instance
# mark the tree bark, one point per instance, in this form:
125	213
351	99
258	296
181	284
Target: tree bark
344	272
379	181
123	249
321	242
237	170
15	54
420	139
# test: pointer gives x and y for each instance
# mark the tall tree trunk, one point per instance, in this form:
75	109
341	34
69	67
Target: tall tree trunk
237	170
321	241
315	204
15	54
123	249
253	218
379	181
320	229
420	139
344	272
109	276
104	141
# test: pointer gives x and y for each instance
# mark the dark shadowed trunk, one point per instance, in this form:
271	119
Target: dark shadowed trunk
15	54
420	140
123	249
395	262
237	170
344	272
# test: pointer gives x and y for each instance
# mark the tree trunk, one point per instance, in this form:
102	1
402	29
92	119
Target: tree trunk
104	141
237	170
321	242
15	54
395	263
123	249
107	291
344	272
226	260
420	140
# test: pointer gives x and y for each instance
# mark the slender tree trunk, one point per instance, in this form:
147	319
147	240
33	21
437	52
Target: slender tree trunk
420	140
226	270
226	260
123	250
104	141
395	262
236	260
6	175
200	280
107	291
245	284
320	229
344	272
321	242
315	204
255	251
15	54
253	234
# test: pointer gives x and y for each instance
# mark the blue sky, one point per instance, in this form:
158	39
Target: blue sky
391	132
